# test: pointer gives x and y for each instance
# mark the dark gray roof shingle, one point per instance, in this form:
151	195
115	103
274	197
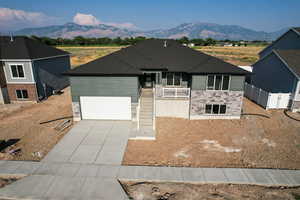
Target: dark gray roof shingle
152	55
292	59
26	48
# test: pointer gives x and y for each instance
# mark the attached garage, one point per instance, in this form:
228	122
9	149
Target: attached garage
105	108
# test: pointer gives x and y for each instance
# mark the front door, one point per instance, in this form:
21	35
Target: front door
148	81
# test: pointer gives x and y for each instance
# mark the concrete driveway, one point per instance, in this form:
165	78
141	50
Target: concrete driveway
92	142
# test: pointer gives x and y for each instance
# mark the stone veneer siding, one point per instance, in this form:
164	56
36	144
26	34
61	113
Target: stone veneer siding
296	106
31	89
232	100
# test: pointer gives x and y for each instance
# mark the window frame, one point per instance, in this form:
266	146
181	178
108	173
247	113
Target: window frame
11	73
22	94
214	85
212	107
173	79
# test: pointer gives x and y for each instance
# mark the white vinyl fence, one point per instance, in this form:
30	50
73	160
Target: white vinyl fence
266	99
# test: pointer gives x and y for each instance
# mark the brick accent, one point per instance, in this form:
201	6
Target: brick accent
232	99
31	89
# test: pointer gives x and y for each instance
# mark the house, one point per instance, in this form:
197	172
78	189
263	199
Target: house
157	78
30	70
289	40
278	70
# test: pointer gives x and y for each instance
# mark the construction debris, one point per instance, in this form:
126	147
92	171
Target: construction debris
4	144
63	125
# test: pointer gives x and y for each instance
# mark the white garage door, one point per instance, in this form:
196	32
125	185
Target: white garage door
110	108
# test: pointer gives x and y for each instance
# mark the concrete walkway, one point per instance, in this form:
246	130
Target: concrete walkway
86	164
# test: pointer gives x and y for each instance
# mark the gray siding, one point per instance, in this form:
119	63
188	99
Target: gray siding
27	71
104	86
199	82
272	75
291	40
49	72
237	83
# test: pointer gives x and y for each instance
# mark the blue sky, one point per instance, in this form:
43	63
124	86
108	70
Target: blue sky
266	15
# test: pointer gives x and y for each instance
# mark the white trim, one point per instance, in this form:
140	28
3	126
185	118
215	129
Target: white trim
222	75
31	71
180	84
21	94
11	74
15	83
212	105
23	60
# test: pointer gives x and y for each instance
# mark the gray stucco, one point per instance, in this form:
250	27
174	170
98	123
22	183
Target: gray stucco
237	83
27	71
49	72
271	75
290	40
199	82
232	99
104	86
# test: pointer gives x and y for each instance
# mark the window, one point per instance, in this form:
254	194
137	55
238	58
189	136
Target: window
17	71
215	109
22	94
217	82
173	79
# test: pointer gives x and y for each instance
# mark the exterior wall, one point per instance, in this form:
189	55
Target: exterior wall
271	75
103	86
31	88
48	72
232	100
297	92
2	75
172	108
27	71
290	40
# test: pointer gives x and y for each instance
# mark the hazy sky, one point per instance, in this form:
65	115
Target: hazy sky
266	15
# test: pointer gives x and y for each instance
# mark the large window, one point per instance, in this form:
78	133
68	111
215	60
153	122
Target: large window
215	109
22	94
218	82
17	71
173	79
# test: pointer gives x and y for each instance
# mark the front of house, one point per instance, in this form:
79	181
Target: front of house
29	70
157	78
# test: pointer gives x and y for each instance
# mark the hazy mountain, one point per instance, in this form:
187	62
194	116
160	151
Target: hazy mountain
191	30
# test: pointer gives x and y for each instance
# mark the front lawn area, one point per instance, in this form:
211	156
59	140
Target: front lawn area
252	142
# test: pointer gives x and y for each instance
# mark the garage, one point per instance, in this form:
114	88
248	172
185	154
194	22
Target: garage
105	108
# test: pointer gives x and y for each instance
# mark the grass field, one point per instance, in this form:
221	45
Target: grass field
234	55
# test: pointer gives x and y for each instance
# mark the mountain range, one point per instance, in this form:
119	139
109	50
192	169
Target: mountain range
190	30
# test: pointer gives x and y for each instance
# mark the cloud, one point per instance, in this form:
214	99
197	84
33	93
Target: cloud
88	19
11	19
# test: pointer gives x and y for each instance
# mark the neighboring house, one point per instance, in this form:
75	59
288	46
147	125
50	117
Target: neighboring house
157	78
289	40
278	70
30	70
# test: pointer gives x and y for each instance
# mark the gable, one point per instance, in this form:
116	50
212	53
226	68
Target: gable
289	40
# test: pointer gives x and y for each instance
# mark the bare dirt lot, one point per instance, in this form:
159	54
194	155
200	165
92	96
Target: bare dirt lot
22	121
252	142
181	191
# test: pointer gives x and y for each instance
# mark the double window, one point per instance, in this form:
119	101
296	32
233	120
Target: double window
17	71
22	94
215	109
173	79
218	82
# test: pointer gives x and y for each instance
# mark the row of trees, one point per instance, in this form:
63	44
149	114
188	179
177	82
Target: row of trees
82	41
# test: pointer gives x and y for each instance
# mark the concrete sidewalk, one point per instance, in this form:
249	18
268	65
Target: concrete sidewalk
86	164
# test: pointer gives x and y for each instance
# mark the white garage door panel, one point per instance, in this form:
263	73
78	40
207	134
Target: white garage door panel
110	108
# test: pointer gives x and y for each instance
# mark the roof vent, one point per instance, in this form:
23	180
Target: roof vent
165	43
11	37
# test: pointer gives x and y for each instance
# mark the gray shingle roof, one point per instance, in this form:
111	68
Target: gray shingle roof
292	59
26	48
152	55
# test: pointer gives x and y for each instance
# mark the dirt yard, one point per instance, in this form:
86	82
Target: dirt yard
180	191
22	121
252	142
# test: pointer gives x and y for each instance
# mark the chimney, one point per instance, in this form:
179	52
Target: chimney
165	43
